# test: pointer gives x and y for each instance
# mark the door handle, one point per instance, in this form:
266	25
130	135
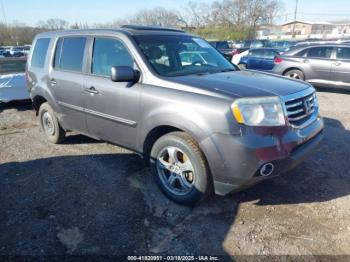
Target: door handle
92	90
52	82
337	63
306	61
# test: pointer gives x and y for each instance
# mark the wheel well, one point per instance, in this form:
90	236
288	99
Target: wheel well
292	68
37	102
153	136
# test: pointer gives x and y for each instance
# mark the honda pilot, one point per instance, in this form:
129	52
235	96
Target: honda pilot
202	124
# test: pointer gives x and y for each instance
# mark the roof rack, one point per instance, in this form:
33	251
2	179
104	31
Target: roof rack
156	28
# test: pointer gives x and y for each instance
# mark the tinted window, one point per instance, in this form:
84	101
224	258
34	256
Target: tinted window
343	53
301	53
39	52
270	54
70	53
320	52
108	53
58	53
256	53
222	45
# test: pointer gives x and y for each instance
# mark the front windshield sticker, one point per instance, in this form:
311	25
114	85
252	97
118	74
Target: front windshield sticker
201	43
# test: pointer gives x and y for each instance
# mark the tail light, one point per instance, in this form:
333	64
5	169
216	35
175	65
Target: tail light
278	60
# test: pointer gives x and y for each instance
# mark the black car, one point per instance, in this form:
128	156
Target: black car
223	47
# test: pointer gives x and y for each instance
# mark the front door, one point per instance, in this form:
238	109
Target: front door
319	62
341	67
111	107
66	81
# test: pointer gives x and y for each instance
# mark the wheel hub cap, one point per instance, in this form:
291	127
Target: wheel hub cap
48	125
175	170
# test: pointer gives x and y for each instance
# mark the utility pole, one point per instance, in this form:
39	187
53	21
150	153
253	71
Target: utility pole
3	11
295	17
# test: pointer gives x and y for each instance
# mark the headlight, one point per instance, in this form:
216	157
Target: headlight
265	111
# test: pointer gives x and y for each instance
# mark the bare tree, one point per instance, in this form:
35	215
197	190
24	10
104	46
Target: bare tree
53	24
198	14
158	16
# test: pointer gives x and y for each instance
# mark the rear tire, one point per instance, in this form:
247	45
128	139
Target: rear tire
242	66
49	124
179	168
295	73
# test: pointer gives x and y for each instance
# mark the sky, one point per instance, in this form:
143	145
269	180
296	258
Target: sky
100	11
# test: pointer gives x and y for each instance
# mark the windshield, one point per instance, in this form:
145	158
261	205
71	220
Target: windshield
178	55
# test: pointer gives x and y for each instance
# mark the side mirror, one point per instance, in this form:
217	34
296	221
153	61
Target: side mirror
124	74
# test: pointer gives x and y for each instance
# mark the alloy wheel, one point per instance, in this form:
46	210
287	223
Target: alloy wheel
175	170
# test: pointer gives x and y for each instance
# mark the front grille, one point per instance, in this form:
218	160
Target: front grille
301	109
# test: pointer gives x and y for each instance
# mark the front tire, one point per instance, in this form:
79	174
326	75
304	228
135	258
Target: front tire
295	73
49	124
179	168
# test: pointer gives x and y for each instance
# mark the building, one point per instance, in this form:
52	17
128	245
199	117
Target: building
308	28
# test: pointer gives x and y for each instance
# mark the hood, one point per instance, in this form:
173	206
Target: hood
243	83
13	87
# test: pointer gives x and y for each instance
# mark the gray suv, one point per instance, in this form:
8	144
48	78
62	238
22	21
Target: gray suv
202	124
325	65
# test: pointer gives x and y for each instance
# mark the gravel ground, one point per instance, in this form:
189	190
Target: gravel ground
88	197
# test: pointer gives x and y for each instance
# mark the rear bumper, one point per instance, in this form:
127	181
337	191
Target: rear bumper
235	161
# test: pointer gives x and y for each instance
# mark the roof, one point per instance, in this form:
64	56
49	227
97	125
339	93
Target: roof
126	29
309	22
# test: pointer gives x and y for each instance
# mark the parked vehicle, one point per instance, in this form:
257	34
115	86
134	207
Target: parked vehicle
321	65
282	45
238	53
13	52
223	47
259	59
26	49
248	44
236	58
202	126
235	44
12	80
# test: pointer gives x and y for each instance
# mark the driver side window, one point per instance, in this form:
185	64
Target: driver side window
108	52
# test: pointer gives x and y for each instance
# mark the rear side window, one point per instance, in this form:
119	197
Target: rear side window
301	53
39	52
343	53
256	53
320	52
270	54
70	53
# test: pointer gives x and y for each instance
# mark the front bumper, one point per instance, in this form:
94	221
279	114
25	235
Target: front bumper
235	160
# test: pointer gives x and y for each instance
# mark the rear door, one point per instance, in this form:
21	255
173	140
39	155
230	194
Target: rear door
268	62
318	63
255	59
111	107
66	81
341	67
